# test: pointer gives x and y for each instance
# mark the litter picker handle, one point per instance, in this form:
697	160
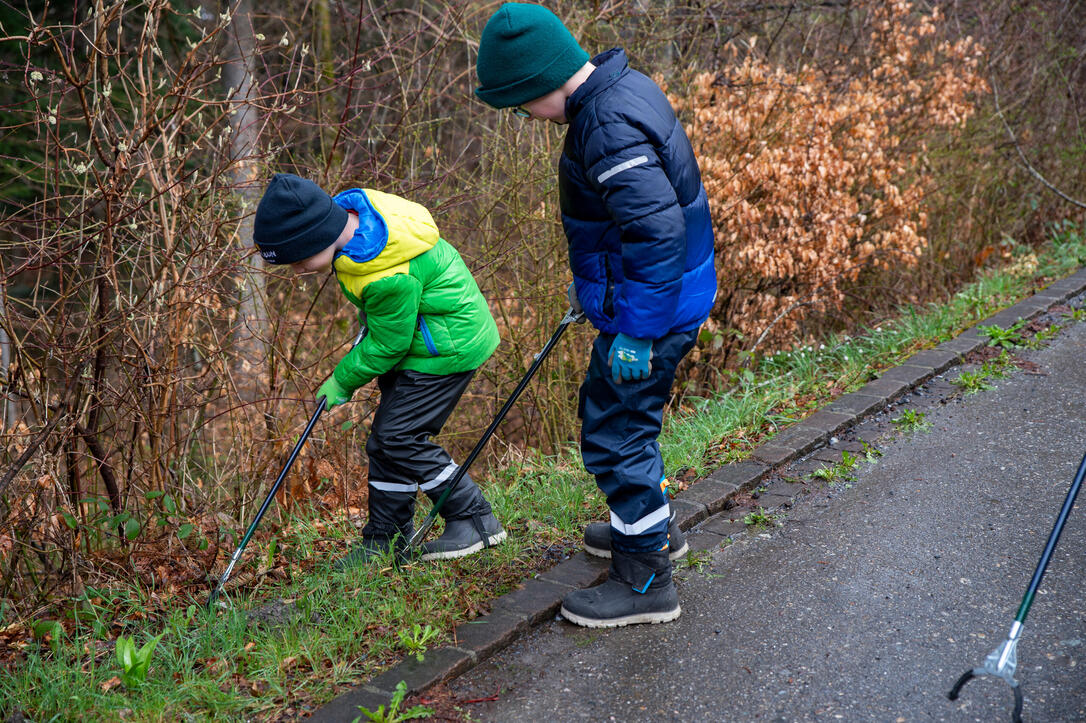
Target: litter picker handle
570	317
321	406
1050	547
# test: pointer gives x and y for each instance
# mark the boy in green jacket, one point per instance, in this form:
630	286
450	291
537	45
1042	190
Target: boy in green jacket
429	329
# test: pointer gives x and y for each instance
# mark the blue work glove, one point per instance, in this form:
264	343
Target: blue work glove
629	358
334	392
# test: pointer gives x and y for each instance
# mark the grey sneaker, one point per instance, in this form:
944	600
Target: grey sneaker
597	539
464	537
638	589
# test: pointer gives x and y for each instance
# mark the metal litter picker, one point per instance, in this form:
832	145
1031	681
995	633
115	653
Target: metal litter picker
275	488
572	316
1002	661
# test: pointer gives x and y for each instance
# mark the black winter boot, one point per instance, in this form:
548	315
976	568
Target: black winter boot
597	539
465	537
370	548
638	589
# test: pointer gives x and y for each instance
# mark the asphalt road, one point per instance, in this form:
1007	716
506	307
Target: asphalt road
870	599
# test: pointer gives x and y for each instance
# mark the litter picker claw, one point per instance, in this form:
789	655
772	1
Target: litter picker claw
1002	661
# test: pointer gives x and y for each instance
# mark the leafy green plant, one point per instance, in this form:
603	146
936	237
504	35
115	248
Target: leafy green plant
840	472
394	714
163	507
417	639
972	382
1000	366
1009	338
697	560
911	421
828	473
871	455
1046	334
1076	315
49	630
134	663
759	519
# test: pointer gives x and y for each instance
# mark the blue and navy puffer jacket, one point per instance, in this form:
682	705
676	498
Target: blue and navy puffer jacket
633	207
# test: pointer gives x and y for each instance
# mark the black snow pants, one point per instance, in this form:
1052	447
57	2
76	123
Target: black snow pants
403	460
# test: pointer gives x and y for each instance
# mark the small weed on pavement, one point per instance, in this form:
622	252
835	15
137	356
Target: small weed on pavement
759	519
840	472
871	454
697	561
972	382
911	420
1000	366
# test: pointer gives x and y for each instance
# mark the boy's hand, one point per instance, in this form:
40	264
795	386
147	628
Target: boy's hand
334	392
630	358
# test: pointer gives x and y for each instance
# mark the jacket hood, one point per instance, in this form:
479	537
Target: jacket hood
391	231
371	237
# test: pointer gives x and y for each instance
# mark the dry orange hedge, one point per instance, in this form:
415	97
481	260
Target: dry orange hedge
816	174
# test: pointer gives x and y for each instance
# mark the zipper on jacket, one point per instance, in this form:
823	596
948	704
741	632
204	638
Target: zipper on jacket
427	338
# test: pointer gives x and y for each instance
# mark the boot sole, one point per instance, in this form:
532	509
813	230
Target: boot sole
672	555
652	618
465	551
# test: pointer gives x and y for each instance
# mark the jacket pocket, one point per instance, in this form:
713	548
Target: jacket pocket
427	337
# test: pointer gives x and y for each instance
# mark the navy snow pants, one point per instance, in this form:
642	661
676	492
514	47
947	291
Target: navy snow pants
620	424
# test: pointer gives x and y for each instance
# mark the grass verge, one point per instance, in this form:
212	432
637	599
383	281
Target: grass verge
338	629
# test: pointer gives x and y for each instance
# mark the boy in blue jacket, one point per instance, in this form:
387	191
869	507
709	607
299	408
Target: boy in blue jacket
641	251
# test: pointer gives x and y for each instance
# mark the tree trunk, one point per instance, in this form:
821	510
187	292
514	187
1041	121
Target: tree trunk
251	333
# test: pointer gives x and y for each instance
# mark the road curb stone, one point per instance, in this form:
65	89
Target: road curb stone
538	598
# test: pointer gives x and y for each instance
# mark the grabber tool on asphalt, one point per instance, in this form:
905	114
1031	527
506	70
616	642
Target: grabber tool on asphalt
572	316
321	406
1002	661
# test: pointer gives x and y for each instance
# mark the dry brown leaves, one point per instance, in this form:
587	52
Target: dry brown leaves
812	180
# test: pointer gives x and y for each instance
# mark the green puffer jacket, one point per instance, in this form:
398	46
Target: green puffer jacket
423	309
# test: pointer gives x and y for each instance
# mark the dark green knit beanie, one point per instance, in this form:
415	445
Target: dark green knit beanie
525	53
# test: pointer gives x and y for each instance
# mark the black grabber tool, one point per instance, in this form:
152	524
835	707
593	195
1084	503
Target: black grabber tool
1002	661
571	317
275	488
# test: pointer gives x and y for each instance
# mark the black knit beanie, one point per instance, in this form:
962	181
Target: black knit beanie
296	219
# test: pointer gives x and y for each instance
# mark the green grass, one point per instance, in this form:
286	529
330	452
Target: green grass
350	626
